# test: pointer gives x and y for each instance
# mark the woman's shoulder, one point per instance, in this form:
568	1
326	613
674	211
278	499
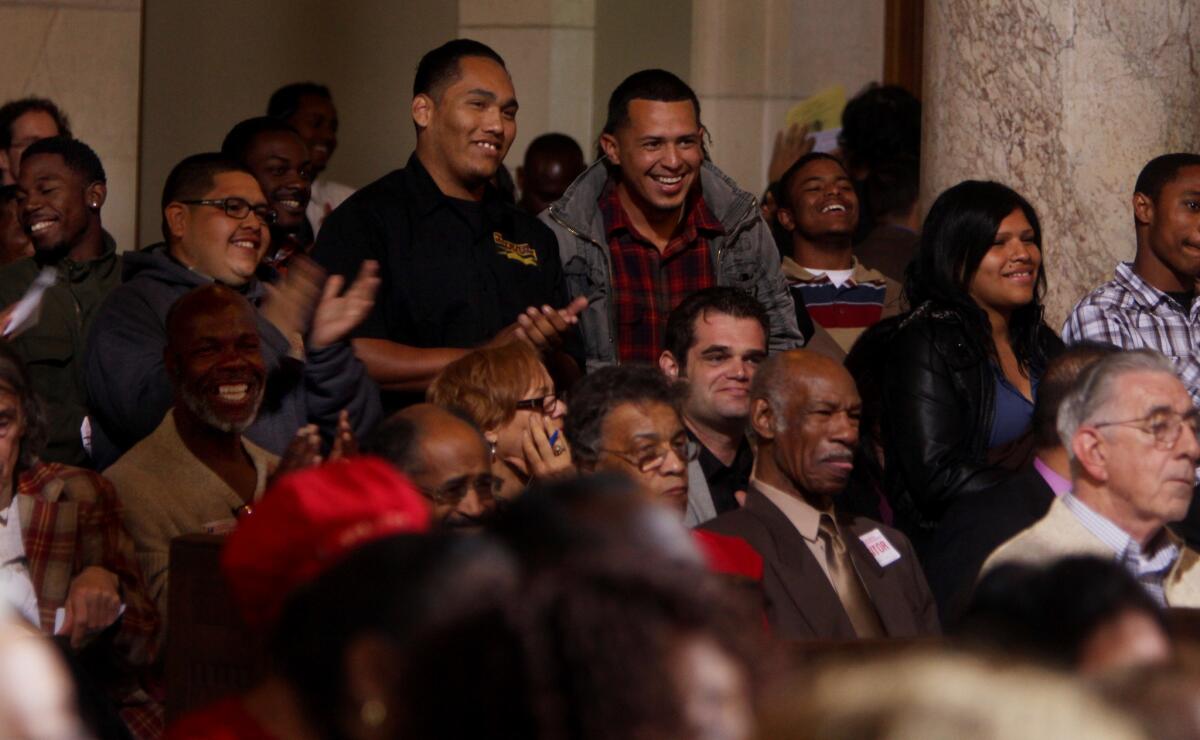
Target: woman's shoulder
946	331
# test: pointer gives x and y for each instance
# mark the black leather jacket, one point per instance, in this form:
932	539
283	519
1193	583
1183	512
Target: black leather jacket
938	407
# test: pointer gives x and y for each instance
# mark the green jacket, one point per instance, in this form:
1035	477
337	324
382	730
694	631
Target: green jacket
53	349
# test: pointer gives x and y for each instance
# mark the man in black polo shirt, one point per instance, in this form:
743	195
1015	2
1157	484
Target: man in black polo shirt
716	338
460	268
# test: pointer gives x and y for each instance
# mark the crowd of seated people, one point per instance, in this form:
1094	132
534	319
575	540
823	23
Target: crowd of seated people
614	458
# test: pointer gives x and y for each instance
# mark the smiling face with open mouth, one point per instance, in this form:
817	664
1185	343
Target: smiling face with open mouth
468	128
217	364
54	202
212	242
1007	276
822	201
279	161
659	152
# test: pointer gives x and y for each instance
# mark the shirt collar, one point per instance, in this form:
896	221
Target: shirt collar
1163	548
860	273
803	516
1057	483
699	217
1146	294
426	194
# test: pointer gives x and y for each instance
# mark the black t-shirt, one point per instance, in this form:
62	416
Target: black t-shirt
454	273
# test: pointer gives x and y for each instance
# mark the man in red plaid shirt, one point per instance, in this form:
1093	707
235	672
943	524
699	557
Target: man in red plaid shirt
653	221
66	562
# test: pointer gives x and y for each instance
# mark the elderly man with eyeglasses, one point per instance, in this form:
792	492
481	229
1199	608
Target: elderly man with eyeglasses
445	456
215	223
1130	430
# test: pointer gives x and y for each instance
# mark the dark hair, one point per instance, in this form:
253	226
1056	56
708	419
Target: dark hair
553	144
285	101
14	109
1058	379
76	155
8	193
1050	612
882	121
648	84
193	178
958	231
439	68
394	589
892	187
1162	170
15	375
592	648
783	196
681	322
595	396
241	137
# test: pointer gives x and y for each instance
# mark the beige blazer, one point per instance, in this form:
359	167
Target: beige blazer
1060	534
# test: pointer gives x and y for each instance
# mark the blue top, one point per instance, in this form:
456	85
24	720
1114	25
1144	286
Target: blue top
1014	412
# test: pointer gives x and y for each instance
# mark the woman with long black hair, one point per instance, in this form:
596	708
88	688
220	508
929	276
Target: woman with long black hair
962	369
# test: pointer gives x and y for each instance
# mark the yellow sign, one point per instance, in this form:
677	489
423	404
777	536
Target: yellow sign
820	112
523	253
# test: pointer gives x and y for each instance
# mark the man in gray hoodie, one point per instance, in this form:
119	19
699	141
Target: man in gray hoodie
215	221
653	221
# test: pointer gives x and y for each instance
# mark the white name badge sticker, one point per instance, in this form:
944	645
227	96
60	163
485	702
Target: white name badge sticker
879	547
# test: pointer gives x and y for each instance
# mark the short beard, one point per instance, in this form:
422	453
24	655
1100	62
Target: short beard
200	407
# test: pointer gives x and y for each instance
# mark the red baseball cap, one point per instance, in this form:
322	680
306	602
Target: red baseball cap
307	521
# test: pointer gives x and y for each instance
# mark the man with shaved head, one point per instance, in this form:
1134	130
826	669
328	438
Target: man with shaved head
196	471
445	456
825	574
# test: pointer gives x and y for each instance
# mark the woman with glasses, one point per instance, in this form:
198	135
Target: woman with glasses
962	370
509	395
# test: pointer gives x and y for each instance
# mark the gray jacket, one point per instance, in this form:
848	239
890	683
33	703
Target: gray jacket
744	257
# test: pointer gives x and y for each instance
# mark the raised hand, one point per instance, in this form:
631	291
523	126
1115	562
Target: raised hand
338	313
544	327
290	303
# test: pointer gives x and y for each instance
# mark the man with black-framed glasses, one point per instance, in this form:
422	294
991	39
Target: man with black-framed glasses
1130	430
215	226
445	456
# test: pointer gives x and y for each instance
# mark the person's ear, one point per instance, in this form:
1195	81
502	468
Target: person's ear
786	218
422	110
176	216
612	150
95	194
1091	453
1143	208
762	418
667	363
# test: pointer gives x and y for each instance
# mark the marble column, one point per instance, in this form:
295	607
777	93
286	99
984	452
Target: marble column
1065	101
548	46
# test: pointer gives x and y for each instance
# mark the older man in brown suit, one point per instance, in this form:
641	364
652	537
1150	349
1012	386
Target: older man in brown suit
825	575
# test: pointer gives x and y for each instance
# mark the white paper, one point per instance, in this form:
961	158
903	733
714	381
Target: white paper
29	309
826	141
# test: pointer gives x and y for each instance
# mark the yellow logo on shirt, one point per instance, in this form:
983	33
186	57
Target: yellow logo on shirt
523	253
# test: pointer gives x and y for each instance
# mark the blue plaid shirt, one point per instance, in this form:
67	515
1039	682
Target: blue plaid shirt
1132	314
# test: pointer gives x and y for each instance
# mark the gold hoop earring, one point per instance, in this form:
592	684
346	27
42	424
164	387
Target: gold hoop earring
373	713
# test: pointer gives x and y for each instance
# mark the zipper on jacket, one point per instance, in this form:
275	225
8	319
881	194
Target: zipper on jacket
612	319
